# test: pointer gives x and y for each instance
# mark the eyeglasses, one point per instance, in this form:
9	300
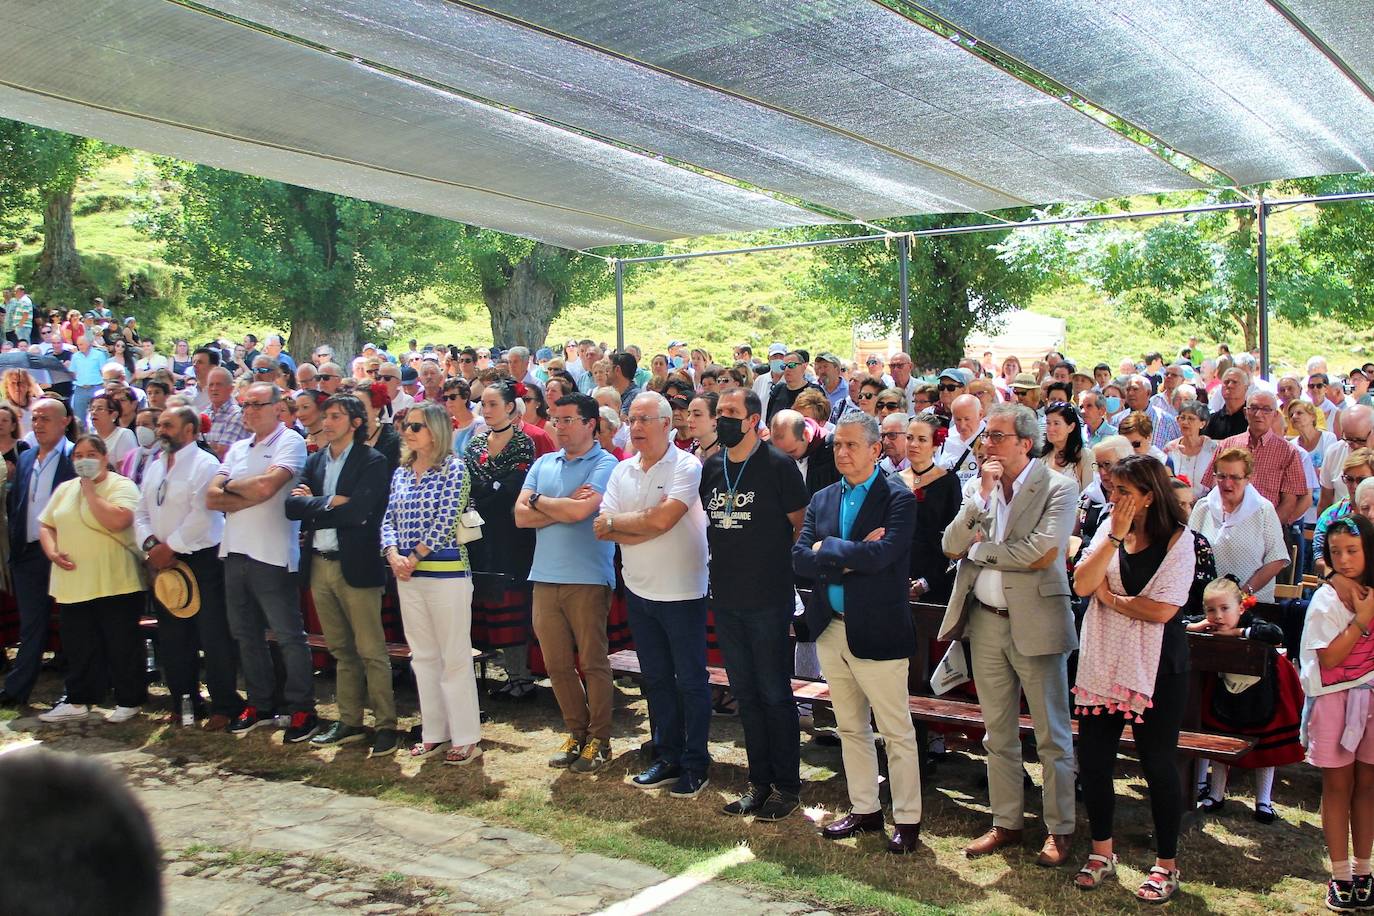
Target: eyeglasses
162	491
414	427
454	397
792	365
263	370
323	376
1259	408
390	378
893	435
888	405
1355	441
371	372
465	359
1351	481
567	421
1230	478
950	387
1316	384
997	438
530	399
640	421
249	405
867	395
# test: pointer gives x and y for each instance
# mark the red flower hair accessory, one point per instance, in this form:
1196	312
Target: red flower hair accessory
380	397
1248	602
520	389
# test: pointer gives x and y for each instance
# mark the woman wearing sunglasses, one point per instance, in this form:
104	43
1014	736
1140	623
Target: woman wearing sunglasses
429	491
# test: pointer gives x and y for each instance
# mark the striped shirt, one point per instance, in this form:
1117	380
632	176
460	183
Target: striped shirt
425	511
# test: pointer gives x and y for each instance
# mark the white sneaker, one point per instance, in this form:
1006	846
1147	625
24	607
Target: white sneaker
65	712
123	714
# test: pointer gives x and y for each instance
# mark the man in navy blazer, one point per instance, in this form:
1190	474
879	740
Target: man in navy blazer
855	545
39	471
339	502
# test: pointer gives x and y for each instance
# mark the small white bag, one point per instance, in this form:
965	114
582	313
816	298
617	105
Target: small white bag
469	526
952	670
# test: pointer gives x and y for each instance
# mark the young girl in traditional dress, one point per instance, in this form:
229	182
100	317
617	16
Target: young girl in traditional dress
1264	707
1337	674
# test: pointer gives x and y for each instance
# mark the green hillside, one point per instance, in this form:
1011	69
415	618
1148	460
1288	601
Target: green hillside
711	302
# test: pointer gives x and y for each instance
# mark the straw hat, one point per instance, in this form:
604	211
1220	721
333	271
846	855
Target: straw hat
176	589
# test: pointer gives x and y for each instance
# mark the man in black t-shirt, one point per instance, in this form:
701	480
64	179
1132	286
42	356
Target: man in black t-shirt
755	501
794	381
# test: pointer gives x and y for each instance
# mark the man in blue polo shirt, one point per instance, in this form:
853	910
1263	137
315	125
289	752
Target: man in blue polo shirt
573	574
86	364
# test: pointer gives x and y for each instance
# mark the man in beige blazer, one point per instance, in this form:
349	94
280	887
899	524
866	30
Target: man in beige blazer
1011	601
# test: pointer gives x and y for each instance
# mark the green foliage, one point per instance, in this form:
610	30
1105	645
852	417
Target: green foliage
266	252
957	284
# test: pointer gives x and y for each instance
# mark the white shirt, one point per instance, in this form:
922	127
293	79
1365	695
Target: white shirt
263	532
41	485
955	447
119	444
672	566
179	518
987	588
762	386
401	402
1333	466
152	363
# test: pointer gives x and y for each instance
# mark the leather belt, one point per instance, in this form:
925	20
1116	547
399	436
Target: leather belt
325	554
999	611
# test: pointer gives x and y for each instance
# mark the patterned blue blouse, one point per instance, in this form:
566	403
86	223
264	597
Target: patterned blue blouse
426	511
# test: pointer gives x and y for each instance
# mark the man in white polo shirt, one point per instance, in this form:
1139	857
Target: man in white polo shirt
652	508
261	550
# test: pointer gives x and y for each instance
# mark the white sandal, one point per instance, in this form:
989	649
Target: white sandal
1097	870
1163	889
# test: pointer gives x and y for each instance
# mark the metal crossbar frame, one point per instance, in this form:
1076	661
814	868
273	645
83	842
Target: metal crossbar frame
1262	207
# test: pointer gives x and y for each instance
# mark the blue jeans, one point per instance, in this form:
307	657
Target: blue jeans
758	658
670	637
81	401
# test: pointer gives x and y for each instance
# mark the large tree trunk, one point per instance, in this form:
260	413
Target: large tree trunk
525	305
59	266
308	333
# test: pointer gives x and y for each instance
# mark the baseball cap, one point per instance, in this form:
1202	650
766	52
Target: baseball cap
777	349
677	343
828	357
1024	380
369	346
543	353
954	375
409	376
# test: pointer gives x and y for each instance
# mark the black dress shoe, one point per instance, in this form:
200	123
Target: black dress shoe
852	823
7	701
905	838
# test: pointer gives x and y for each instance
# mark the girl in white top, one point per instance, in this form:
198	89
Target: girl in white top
119	440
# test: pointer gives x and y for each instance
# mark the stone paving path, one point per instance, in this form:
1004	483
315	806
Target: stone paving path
237	844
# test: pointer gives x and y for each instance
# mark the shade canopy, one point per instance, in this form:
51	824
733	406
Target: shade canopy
595	123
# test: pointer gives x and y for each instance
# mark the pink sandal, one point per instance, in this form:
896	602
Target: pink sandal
1096	870
1161	882
461	756
422	749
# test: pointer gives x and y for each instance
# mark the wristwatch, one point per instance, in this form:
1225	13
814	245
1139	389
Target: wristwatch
150	542
534	499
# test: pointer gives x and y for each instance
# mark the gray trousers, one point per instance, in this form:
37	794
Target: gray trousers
259	597
1002	674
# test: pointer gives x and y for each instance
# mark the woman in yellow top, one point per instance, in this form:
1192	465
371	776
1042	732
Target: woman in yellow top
87	532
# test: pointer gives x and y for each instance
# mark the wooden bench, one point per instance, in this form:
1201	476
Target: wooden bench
962	714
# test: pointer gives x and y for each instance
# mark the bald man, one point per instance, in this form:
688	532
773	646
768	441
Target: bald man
957	453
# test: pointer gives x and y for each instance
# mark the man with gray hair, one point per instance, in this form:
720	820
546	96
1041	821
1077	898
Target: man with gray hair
1357	425
855	544
1011	601
1228	411
1095	502
1138	395
518	358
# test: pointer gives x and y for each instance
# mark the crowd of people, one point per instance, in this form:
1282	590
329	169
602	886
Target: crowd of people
1076	523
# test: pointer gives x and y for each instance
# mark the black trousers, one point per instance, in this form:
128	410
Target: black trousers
1156	742
182	640
102	635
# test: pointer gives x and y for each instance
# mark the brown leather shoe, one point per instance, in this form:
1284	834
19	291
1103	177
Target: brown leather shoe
905	838
216	723
852	823
992	841
1055	852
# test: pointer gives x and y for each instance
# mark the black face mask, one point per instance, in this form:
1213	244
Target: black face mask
730	431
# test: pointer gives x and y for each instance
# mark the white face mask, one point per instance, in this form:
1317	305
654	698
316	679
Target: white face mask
146	436
88	467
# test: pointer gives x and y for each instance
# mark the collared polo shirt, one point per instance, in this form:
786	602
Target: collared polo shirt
851	499
86	366
263	532
671	566
570	554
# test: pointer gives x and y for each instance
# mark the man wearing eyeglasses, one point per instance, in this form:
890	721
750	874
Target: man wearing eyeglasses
1357	424
261	552
900	366
895	439
951	384
1278	474
328	378
784	394
390	376
173	523
1014	610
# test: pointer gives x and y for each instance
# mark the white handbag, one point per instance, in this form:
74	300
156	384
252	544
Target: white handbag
469	526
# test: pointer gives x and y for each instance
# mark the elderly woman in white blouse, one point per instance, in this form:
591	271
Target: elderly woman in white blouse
1242	526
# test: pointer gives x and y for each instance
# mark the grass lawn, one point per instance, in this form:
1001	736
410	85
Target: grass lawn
1231	865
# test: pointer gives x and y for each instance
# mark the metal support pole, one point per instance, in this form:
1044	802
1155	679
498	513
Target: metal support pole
904	290
620	305
1262	264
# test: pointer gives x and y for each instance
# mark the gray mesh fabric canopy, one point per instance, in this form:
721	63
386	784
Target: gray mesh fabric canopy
596	123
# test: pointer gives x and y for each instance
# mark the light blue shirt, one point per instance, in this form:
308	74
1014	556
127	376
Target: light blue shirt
41	486
851	498
328	538
86	366
565	553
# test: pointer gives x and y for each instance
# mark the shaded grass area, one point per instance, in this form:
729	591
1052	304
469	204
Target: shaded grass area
1231	865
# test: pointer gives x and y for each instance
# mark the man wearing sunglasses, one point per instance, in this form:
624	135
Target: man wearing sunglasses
328	378
784	394
951	384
